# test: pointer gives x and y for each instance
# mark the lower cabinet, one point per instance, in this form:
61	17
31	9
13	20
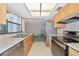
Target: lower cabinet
57	50
73	52
27	43
14	51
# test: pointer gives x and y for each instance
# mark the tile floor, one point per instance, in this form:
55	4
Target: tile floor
39	49
39	39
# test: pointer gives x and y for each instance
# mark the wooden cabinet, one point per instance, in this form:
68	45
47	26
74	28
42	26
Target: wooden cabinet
66	12
56	24
27	43
2	13
73	52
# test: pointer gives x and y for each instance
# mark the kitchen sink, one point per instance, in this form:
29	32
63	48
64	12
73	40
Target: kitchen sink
19	36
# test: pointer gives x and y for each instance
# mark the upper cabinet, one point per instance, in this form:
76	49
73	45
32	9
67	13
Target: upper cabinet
66	12
2	13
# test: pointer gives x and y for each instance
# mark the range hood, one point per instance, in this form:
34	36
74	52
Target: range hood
73	19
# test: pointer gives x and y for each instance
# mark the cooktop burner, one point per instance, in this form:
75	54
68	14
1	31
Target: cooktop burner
63	39
69	40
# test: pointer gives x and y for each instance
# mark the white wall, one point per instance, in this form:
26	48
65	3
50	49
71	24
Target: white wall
23	25
35	26
50	28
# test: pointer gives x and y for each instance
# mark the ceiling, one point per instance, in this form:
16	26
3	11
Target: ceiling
20	9
29	10
40	9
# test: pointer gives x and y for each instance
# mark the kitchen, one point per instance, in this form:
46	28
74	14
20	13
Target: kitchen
67	24
32	29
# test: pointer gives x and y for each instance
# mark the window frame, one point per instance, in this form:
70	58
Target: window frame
12	23
16	24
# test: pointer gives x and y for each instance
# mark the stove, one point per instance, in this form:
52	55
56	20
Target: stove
65	39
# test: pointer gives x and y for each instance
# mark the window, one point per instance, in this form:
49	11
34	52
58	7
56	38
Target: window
13	24
13	27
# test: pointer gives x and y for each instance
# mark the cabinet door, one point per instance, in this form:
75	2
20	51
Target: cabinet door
56	24
27	44
74	7
61	15
67	11
73	52
2	13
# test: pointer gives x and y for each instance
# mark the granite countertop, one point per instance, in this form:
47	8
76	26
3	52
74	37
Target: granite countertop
7	43
54	35
75	46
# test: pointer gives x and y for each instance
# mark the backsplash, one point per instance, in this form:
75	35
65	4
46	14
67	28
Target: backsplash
60	31
72	26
